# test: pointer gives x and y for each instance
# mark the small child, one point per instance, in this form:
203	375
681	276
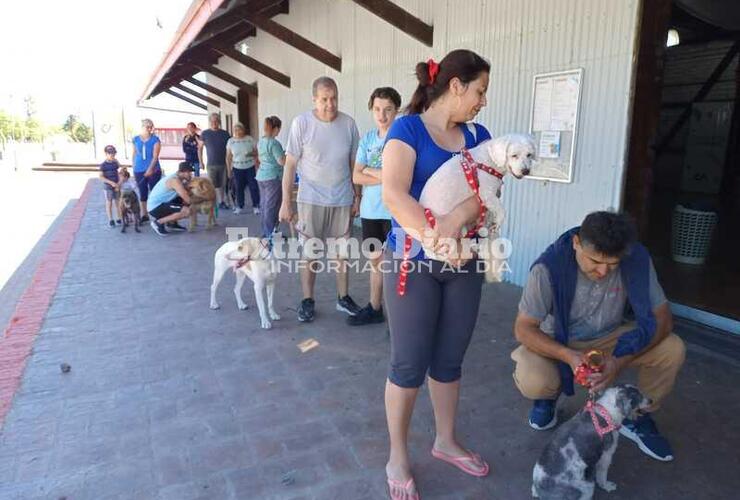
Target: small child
125	184
109	176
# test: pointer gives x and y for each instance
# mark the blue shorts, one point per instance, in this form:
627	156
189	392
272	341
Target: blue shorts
110	193
145	184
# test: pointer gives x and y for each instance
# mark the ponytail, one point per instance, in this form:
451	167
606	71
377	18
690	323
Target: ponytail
434	79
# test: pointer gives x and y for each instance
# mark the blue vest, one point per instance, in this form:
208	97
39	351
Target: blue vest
560	260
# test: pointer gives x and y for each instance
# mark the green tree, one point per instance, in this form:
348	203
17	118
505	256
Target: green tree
20	129
35	130
77	131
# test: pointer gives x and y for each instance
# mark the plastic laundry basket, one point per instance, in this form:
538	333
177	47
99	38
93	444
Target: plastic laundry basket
692	234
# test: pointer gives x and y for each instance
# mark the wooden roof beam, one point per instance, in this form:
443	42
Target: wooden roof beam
194	93
295	40
174	77
401	19
210	88
255	65
186	99
220	23
218	73
236	14
240	31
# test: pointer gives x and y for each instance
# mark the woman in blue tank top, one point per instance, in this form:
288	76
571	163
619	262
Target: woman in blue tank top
145	160
432	322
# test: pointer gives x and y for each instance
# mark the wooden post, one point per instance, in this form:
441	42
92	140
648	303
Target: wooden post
654	18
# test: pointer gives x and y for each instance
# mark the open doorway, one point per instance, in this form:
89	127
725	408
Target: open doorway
683	174
247	111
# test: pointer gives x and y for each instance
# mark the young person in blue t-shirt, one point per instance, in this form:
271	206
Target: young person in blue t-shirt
109	176
432	323
376	220
270	174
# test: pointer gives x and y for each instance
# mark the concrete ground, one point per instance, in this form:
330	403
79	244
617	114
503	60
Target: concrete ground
167	399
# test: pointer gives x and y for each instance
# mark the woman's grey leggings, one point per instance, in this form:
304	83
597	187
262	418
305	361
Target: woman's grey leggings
431	325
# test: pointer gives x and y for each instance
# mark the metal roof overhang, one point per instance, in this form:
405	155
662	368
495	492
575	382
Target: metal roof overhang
212	28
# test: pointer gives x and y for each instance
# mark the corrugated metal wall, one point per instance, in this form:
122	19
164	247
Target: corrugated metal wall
520	38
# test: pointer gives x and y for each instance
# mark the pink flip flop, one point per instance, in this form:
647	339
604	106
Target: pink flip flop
462	462
407	488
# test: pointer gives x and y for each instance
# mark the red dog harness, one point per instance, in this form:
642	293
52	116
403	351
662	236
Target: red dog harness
596	408
470	169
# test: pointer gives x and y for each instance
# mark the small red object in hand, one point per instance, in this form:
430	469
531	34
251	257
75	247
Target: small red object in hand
593	363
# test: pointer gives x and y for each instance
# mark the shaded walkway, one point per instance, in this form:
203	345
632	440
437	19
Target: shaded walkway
167	399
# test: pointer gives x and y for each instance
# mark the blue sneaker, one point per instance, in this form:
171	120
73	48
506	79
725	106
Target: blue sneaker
644	432
543	416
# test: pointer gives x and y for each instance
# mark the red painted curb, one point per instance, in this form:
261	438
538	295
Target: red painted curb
25	324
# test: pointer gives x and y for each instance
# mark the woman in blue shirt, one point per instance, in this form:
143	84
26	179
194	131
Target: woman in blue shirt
432	323
145	160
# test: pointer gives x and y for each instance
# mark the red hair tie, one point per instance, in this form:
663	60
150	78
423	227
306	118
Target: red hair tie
433	70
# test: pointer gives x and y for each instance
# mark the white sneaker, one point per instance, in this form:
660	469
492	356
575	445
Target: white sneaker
237	210
256	211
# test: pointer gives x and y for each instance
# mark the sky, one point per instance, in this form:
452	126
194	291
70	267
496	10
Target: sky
75	55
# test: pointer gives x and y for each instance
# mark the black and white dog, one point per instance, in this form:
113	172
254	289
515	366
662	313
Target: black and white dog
580	453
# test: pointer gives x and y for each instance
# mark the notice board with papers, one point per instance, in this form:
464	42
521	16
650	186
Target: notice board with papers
554	123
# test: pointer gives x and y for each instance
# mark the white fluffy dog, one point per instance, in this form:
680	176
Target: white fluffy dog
248	257
448	187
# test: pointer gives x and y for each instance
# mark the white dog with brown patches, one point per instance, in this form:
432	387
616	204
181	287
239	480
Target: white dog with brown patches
252	258
448	187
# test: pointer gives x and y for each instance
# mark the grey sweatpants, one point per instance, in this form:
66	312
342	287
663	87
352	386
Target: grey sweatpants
431	325
271	196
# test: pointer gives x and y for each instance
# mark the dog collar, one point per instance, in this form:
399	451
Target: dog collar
596	410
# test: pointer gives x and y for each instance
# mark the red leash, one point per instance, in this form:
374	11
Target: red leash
596	408
594	363
470	169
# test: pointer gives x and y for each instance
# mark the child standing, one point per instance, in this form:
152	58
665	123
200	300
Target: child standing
126	183
270	175
376	220
109	176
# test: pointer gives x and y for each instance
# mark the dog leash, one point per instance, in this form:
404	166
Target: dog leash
596	410
594	363
470	169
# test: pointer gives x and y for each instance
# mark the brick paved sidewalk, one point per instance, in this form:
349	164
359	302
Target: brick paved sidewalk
167	399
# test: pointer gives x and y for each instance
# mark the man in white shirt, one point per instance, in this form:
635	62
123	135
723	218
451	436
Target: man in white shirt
321	147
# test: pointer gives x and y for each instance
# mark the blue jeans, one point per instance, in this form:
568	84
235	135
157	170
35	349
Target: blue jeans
244	177
146	184
271	196
196	168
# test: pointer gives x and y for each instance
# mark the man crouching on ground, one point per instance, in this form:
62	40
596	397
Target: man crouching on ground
574	301
169	200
